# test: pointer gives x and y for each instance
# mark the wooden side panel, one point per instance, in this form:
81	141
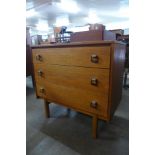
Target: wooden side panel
74	56
116	77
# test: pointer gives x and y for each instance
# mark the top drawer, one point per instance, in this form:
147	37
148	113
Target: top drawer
75	56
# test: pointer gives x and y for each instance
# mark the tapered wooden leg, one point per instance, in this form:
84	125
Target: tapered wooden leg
47	110
94	126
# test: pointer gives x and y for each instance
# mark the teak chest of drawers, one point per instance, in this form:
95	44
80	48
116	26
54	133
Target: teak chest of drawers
84	76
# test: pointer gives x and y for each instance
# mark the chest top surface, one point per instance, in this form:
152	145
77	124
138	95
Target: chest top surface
74	44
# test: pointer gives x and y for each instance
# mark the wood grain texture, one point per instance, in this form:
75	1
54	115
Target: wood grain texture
74	56
79	44
77	98
94	126
116	77
76	77
39	85
65	72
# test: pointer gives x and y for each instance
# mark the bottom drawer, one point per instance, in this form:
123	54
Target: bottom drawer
89	101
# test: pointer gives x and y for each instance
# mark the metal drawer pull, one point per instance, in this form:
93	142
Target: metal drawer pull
94	58
93	104
40	72
39	57
94	81
42	90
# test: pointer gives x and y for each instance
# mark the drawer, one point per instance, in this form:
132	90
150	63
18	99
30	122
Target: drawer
92	79
92	102
75	56
40	91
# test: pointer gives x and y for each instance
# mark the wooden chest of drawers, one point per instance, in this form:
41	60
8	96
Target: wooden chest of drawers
86	77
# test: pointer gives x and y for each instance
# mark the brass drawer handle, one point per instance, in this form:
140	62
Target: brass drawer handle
40	72
94	104
94	81
39	57
42	90
94	58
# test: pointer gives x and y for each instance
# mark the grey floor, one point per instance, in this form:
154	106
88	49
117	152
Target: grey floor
69	133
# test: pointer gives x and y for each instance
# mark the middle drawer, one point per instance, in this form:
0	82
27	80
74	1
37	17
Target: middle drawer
91	79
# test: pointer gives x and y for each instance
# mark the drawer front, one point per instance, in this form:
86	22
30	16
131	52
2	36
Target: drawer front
75	56
92	79
92	102
40	89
